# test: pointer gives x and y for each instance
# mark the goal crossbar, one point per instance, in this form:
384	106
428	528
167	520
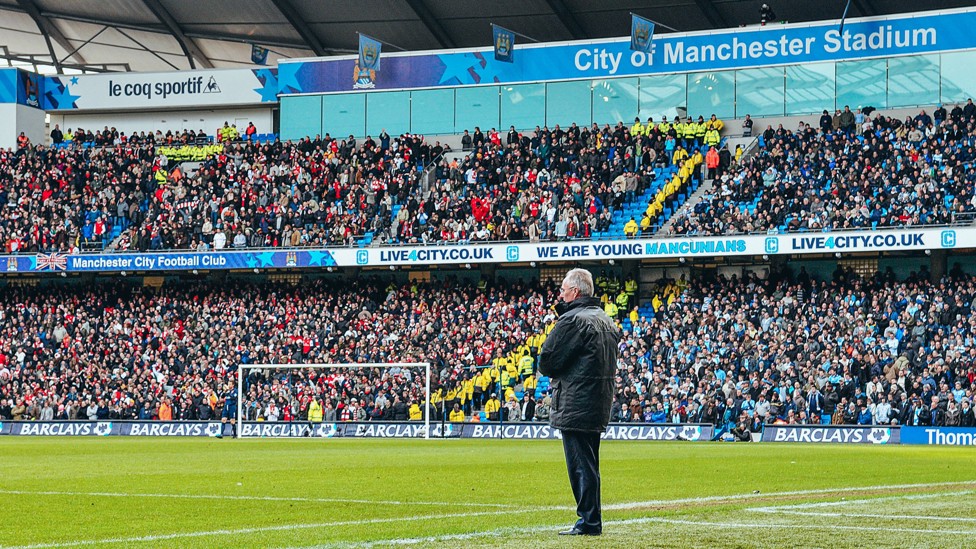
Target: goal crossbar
340	365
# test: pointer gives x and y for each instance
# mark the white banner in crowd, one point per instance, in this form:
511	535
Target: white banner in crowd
672	248
474	254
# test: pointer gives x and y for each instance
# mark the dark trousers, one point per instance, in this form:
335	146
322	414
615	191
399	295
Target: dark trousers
583	463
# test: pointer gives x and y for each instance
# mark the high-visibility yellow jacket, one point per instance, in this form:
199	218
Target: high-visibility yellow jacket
415	413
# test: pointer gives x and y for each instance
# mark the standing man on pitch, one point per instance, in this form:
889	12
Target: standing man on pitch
580	355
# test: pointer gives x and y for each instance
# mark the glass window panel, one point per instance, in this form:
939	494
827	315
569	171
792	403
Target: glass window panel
476	107
615	101
344	114
711	93
913	81
663	96
523	106
389	111
958	76
301	117
862	83
432	111
760	92
568	102
809	88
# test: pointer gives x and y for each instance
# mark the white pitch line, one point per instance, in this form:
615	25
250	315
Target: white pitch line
618	506
250	498
608	507
867	515
761	495
253	530
624	522
821	504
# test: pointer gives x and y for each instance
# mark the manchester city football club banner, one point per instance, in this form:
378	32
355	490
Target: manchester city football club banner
500	252
947	436
162	262
749	47
259	54
504	41
641	33
832	434
22	87
369	52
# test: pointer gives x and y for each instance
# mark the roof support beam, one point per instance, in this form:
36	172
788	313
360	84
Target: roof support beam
432	24
158	29
714	18
568	20
49	30
189	47
298	23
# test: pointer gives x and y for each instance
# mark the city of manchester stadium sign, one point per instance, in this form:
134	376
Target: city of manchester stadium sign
499	252
862	38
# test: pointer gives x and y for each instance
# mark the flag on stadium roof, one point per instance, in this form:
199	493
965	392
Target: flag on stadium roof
641	33
504	43
369	53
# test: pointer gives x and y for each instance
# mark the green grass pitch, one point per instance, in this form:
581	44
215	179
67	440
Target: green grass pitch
60	492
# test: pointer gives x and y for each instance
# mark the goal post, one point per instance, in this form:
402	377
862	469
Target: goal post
242	370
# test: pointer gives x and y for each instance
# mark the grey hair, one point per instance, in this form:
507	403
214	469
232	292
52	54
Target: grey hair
582	279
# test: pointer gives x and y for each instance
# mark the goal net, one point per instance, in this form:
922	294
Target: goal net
333	400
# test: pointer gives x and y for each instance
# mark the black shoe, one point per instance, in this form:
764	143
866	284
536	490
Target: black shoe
574	531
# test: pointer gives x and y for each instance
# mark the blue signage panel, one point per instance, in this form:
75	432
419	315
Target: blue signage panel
949	436
498	252
381	429
18	86
832	434
116	428
673	53
542	431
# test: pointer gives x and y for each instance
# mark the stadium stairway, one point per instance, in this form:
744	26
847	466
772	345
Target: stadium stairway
638	206
688	205
751	146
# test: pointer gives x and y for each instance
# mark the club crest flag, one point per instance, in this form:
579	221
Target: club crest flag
641	33
369	53
259	55
504	43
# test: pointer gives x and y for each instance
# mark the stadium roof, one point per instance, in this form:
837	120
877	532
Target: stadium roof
161	35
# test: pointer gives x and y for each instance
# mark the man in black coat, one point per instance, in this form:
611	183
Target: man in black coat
966	416
580	355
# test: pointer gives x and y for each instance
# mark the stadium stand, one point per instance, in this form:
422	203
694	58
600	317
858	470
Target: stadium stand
789	349
870	173
130	193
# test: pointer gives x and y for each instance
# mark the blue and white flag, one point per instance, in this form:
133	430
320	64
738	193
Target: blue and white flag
504	44
369	53
641	33
259	55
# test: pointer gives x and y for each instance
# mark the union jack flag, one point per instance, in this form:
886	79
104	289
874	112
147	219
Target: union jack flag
52	262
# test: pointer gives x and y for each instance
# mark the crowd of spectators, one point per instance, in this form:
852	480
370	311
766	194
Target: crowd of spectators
125	193
314	192
736	352
121	351
850	171
796	350
553	183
